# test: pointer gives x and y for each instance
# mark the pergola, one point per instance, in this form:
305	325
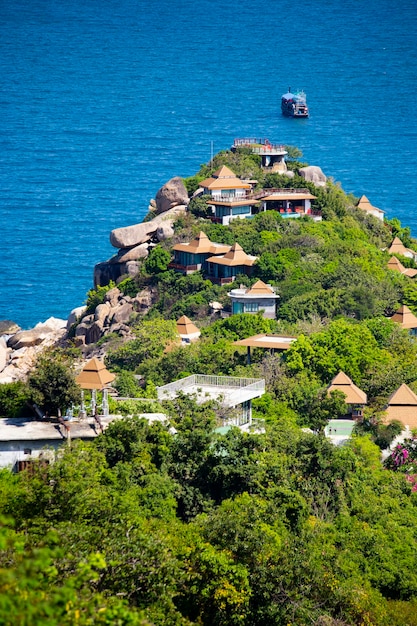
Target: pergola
95	376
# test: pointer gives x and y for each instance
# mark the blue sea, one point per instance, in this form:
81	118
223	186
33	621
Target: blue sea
102	102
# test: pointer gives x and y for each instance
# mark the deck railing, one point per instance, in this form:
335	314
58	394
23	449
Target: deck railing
206	380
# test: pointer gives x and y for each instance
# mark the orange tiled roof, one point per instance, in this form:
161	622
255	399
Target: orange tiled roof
224	178
235	256
186	327
200	245
405	317
94	375
342	382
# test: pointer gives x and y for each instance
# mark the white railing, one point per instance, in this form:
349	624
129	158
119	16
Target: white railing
206	380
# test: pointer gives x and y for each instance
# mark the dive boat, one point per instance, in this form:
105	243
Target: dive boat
294	104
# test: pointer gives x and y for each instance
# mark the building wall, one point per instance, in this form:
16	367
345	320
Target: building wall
13	451
248	306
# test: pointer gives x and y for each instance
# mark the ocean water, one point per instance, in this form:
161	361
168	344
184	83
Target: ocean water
102	102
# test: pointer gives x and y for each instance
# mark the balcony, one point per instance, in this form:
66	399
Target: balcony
229	390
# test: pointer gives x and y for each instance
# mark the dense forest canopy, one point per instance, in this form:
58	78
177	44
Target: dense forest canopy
179	523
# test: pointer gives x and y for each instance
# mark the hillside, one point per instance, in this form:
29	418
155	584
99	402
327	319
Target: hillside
185	523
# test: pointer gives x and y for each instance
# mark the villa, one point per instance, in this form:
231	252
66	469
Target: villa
366	206
191	257
225	268
234	394
259	297
397	247
396	265
187	330
402	406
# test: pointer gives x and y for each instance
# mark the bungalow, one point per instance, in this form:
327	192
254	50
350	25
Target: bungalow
187	330
402	406
291	203
259	297
230	196
191	257
366	206
397	266
406	319
234	394
397	247
356	399
225	268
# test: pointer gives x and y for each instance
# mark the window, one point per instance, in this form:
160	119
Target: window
246	413
251	307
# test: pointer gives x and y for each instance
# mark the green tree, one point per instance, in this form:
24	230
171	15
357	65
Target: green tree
52	382
13	399
157	261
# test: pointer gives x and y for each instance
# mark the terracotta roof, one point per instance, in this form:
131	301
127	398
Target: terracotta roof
277	342
403	397
224	178
405	317
395	264
365	205
397	247
94	375
235	256
202	244
260	289
186	327
343	383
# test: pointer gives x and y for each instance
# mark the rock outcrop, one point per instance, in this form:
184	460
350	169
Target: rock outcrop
19	351
134	243
113	315
313	174
172	194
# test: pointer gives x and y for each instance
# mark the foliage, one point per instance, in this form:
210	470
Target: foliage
52	382
157	261
13	399
152	337
96	296
199	206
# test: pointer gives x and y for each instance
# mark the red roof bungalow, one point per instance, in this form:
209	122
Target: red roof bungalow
225	268
191	257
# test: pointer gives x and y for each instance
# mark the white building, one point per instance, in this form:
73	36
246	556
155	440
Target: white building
231	392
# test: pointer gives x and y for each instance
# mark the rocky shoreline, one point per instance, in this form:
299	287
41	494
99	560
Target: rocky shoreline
19	348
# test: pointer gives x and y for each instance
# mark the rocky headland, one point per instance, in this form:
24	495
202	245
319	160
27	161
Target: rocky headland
20	348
